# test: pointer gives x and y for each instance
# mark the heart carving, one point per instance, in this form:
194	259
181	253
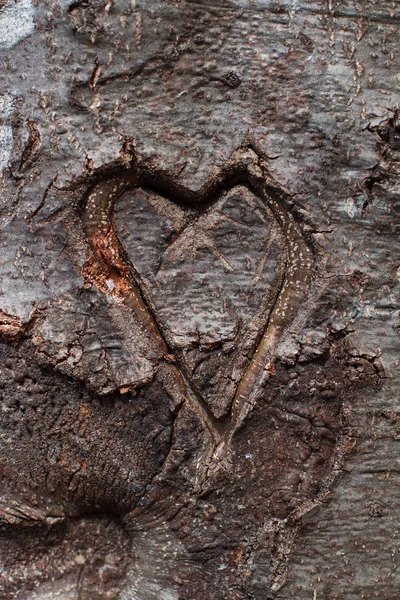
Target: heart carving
214	276
207	276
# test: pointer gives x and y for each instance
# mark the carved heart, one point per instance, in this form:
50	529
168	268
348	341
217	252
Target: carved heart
214	276
207	276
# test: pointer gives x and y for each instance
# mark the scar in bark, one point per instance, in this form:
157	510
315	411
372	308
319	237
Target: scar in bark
246	167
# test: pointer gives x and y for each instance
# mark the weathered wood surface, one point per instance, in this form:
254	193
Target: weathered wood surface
199	299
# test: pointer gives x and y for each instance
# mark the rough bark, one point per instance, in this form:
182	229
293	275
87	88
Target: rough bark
199	306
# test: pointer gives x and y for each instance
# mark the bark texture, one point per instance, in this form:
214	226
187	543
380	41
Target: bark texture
199	308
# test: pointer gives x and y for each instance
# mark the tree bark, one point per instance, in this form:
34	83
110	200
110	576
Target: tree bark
199	308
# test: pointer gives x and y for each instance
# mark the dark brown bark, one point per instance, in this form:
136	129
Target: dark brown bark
199	299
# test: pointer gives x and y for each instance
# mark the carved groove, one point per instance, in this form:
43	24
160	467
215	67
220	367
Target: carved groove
245	167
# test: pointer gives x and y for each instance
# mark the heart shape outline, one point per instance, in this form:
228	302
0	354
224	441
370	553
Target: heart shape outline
246	166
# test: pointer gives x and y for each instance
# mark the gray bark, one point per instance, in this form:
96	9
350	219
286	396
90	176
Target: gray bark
199	308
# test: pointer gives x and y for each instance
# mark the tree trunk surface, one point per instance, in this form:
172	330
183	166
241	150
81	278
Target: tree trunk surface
199	299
